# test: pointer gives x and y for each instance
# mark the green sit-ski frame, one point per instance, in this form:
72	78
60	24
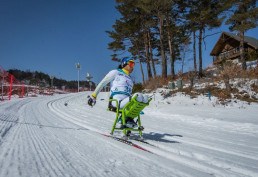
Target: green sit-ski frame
131	110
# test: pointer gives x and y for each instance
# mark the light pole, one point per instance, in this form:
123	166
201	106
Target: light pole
78	66
52	84
52	78
89	77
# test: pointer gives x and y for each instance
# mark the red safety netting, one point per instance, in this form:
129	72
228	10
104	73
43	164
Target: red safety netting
10	86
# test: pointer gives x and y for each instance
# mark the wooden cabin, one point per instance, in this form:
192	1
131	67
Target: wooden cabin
227	47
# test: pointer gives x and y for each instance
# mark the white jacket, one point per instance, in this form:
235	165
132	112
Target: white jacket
121	83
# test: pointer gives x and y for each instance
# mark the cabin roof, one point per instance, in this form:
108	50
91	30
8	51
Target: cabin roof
253	42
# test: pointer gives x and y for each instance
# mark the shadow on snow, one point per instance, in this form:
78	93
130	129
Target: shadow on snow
160	137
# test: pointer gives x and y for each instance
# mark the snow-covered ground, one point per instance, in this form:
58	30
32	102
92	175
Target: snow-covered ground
192	137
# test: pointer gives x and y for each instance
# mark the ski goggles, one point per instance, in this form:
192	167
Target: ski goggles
131	63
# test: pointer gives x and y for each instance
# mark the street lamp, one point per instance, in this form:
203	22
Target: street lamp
52	78
89	77
78	66
52	84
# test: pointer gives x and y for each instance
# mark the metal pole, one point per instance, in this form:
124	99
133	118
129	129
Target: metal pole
78	66
52	78
78	80
89	77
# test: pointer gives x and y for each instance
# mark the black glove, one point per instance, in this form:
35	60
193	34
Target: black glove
91	101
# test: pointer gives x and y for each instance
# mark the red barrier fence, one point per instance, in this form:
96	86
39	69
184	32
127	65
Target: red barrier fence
10	85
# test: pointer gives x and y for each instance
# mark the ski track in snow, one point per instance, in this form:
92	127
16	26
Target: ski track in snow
43	137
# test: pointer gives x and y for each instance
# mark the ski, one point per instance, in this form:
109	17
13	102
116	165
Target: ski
142	141
130	143
133	137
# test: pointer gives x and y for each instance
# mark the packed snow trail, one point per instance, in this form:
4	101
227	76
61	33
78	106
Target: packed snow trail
43	137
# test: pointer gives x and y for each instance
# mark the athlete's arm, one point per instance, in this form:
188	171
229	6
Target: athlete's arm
108	78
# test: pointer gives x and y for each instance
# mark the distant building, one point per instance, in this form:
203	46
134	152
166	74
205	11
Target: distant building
227	48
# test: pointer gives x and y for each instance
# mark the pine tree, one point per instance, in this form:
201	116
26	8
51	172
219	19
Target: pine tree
245	17
206	14
130	33
158	10
175	30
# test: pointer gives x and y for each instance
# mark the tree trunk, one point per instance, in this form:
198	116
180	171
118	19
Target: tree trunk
164	60
151	55
200	52
141	68
147	57
242	50
194	51
172	61
183	60
143	80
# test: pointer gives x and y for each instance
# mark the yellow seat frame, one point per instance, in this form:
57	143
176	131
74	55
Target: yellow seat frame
131	110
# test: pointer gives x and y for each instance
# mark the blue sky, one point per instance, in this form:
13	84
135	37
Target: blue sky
52	35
